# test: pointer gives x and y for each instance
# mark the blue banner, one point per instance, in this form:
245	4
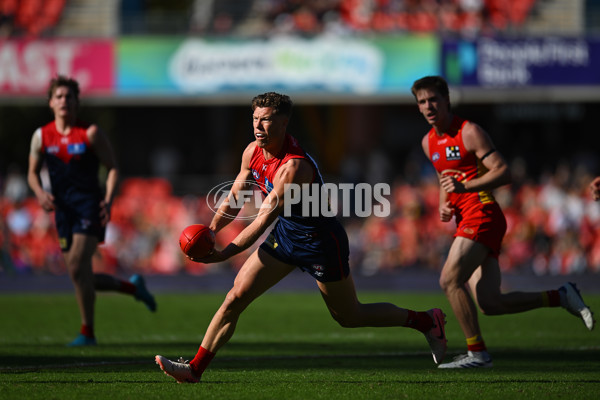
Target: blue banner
489	62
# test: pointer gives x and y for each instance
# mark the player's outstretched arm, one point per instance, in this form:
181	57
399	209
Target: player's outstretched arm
296	171
228	209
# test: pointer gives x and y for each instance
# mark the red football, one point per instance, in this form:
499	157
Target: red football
197	241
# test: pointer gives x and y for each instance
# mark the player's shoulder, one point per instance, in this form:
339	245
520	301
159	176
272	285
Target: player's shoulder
297	169
472	128
250	149
92	131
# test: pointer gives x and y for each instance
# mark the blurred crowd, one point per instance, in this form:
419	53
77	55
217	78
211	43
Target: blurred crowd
553	228
29	17
250	18
267	17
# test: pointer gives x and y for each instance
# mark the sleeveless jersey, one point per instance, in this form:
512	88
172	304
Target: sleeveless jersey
449	157
72	164
263	172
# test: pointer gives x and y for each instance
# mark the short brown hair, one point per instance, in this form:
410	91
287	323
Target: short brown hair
61	80
436	83
282	104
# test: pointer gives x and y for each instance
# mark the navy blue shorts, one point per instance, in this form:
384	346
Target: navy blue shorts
323	254
82	215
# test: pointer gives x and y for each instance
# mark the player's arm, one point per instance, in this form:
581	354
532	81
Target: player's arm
595	188
101	145
45	199
296	171
477	141
445	209
228	209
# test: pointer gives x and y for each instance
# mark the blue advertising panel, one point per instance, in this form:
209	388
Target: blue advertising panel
489	62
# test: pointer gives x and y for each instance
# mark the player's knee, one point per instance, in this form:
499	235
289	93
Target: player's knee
447	284
234	302
346	320
490	307
78	273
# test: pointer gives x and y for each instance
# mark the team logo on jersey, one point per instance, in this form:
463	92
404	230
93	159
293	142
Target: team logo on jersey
85	224
455	173
268	185
52	149
468	231
271	242
452	153
255	174
318	269
435	156
76	148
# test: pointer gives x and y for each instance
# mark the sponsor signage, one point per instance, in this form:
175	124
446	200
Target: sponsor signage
490	62
322	65
26	66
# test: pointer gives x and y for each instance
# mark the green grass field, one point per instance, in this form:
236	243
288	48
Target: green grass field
286	347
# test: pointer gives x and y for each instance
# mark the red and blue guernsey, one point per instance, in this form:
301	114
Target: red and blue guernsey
316	244
73	167
264	171
71	162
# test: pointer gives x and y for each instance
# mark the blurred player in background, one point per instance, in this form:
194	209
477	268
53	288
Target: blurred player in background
595	188
72	150
468	168
315	244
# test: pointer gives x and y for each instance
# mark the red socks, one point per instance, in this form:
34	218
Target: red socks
476	343
87	330
420	321
201	361
127	287
551	298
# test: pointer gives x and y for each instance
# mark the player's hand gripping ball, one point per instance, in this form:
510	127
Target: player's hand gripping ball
197	241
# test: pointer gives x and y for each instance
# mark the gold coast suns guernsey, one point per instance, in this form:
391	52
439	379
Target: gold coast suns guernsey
449	157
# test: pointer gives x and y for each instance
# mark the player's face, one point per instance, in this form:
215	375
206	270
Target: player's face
269	128
63	102
434	107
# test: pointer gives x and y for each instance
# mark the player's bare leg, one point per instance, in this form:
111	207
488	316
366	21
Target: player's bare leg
464	258
344	306
136	286
260	272
79	265
485	286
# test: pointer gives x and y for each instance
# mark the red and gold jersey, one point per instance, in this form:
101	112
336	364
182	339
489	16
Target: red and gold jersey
449	157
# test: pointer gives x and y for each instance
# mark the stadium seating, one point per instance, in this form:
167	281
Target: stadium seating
35	17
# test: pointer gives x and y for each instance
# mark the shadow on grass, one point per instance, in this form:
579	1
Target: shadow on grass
237	356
